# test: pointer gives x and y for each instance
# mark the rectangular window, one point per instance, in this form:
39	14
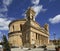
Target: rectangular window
36	35
13	27
20	27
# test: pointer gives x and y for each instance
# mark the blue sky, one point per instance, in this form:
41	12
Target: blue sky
47	11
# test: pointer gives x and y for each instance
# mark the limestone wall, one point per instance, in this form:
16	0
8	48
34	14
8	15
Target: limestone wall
15	26
15	33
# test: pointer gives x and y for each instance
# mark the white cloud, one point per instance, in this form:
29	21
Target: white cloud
7	2
43	10
55	19
4	5
1	15
4	22
37	9
3	9
36	2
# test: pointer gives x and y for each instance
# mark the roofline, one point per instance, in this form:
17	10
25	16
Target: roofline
16	20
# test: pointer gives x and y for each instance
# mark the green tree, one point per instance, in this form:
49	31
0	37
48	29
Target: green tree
6	46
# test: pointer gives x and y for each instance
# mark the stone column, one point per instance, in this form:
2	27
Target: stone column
40	39
48	40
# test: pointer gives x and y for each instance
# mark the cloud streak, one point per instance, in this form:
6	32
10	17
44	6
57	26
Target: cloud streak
4	22
35	2
4	6
37	8
55	19
7	2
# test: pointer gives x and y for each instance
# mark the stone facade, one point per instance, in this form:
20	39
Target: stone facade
27	32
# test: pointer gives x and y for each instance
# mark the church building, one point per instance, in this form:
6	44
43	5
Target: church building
27	32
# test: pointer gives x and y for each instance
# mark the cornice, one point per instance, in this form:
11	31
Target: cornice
14	32
16	21
44	31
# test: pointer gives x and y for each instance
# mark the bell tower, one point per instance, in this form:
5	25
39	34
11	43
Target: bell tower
30	14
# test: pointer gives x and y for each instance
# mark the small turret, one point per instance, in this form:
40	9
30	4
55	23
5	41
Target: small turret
46	27
30	14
